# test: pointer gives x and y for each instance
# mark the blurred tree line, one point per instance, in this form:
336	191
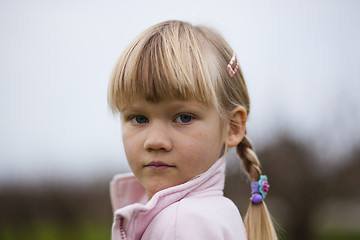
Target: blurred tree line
304	193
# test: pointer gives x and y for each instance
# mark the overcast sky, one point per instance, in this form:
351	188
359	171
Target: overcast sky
301	61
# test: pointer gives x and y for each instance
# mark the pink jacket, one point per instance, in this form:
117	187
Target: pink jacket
194	210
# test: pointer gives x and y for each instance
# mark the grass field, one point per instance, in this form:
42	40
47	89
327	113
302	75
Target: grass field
102	230
55	231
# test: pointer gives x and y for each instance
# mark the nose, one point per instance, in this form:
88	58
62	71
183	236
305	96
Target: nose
158	138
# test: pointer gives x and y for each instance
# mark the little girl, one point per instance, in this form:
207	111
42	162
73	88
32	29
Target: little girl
183	102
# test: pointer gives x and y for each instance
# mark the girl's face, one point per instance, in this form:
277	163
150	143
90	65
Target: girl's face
170	142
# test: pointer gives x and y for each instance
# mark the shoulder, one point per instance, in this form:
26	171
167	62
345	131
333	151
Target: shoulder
210	218
199	218
211	204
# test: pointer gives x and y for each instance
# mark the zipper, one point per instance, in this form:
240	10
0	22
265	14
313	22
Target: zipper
122	230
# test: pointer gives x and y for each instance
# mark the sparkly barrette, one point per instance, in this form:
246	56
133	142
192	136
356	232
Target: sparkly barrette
259	189
230	70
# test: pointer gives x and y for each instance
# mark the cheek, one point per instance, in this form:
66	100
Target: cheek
131	149
211	140
201	152
130	139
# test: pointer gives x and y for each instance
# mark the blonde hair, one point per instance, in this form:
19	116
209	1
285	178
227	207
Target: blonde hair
176	60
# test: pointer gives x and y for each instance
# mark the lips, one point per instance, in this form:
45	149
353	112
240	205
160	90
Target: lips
158	166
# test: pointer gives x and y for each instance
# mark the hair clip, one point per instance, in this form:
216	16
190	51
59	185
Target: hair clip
259	189
230	70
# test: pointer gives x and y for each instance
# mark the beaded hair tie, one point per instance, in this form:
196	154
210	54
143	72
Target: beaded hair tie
230	70
259	189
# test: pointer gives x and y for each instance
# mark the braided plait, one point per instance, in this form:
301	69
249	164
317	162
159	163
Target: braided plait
257	220
250	161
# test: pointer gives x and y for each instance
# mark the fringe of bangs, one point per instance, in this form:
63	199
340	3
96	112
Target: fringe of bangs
161	68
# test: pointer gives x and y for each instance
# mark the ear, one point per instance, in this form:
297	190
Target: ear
237	126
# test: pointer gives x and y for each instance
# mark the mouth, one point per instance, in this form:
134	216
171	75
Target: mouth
158	166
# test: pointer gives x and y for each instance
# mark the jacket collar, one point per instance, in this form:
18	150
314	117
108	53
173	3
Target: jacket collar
132	211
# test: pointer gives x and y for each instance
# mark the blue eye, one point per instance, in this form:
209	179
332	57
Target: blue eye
139	119
184	118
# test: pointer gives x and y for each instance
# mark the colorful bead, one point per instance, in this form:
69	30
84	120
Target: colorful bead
263	186
256	198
